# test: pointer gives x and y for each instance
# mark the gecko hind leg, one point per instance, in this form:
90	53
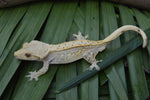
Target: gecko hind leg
79	36
90	57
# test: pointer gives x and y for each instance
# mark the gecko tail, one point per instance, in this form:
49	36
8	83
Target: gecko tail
125	28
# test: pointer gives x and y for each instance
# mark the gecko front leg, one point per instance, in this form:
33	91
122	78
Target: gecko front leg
36	74
43	70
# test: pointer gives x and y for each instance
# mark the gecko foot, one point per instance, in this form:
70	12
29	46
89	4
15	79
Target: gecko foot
79	36
94	65
32	75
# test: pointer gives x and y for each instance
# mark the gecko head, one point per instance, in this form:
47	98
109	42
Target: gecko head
35	50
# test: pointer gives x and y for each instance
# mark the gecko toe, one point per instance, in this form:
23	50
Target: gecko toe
30	79
100	61
27	76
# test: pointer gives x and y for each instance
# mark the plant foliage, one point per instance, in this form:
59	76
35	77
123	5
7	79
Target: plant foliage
55	22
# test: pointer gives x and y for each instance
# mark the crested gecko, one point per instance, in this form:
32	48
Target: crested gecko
71	51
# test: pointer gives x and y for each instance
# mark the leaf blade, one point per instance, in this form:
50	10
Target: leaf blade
10	65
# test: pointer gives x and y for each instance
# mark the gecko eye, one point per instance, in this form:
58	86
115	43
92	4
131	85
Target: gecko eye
27	54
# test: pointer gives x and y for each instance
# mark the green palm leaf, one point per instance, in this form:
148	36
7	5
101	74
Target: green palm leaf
55	22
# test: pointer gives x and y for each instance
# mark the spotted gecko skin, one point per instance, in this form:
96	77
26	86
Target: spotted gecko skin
71	51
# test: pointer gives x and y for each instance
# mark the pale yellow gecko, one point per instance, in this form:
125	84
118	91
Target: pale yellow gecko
71	51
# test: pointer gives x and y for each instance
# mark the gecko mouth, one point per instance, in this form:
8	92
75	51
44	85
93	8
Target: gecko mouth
15	54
